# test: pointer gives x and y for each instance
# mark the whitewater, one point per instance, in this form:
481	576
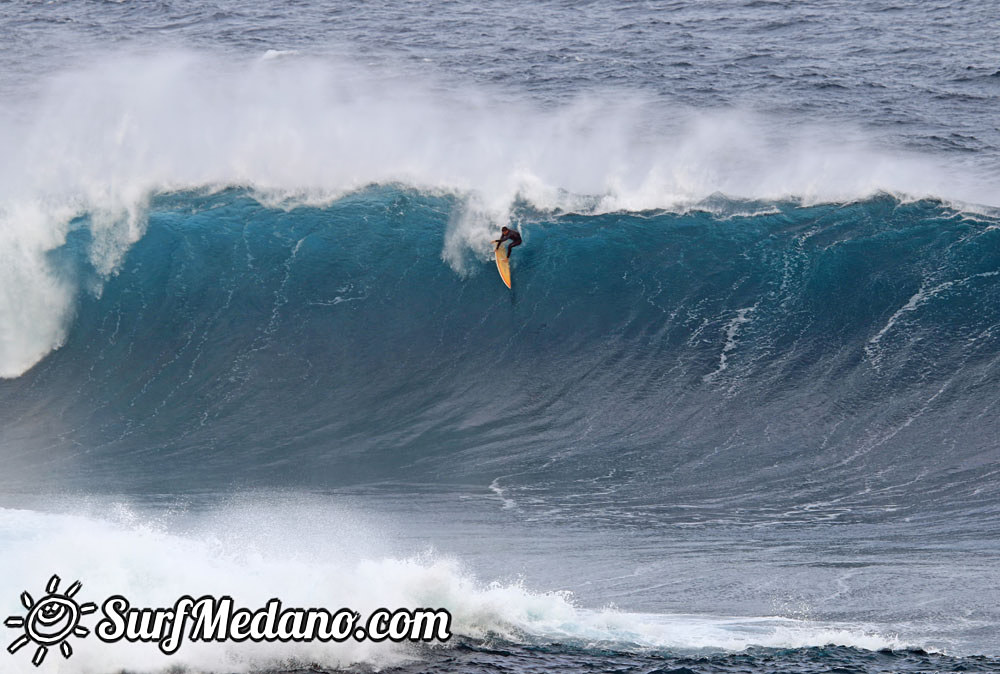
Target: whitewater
737	413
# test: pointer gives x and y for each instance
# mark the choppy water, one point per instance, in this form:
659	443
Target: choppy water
737	414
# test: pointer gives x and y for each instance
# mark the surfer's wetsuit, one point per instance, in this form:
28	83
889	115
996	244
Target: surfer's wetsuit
513	237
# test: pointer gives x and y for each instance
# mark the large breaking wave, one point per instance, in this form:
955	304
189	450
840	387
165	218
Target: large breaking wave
834	349
277	272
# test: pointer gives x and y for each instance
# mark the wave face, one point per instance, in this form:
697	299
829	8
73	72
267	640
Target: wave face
841	353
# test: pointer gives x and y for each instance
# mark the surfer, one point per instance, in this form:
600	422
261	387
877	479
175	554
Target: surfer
511	235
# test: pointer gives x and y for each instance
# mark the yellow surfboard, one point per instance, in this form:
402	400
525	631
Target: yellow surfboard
503	263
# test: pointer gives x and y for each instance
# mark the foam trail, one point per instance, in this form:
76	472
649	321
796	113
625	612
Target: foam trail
104	137
732	330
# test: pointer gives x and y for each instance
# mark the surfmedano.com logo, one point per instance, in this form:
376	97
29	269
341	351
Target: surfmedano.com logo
52	620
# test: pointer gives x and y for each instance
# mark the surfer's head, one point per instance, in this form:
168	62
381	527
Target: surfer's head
503	229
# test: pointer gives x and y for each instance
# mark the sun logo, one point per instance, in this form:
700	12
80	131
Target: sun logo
50	621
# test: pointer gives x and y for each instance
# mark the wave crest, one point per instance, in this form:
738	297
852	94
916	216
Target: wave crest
107	136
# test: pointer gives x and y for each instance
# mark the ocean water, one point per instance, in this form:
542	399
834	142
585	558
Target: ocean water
737	414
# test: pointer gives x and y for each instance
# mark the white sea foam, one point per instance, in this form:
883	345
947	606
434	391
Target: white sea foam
311	554
732	330
917	300
104	136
